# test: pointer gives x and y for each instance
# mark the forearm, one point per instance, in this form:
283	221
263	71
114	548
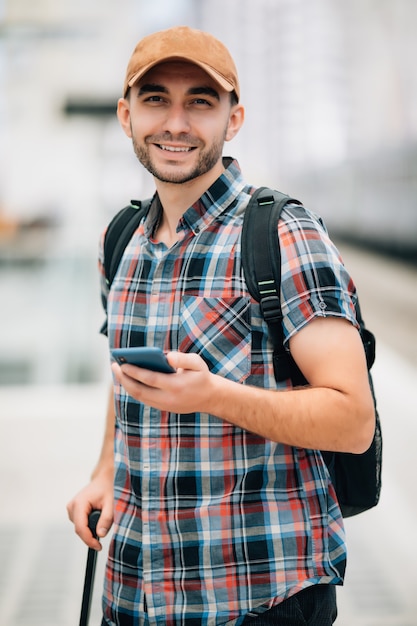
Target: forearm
317	418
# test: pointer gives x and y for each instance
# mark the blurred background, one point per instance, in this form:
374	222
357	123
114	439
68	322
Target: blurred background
330	90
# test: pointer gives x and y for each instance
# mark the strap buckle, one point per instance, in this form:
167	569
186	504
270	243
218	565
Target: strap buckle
271	308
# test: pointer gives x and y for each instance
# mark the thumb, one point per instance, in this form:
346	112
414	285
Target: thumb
104	523
185	361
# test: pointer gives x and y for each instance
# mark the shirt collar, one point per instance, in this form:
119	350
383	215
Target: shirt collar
219	197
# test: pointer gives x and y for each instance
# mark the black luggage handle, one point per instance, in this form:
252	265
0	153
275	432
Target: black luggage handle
89	571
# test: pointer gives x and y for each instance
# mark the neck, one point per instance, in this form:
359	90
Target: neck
177	198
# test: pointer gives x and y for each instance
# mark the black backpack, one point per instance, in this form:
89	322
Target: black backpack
356	477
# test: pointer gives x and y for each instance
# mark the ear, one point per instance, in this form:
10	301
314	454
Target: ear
123	114
237	116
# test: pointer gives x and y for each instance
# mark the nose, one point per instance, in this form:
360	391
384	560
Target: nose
176	120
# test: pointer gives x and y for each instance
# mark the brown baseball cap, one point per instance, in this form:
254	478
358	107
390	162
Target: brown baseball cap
187	44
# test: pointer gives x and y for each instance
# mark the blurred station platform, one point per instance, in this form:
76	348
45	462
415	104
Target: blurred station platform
50	438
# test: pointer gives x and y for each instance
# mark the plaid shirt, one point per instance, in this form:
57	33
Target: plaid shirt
212	522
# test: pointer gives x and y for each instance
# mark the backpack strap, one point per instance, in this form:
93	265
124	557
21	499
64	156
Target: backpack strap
261	260
368	338
119	233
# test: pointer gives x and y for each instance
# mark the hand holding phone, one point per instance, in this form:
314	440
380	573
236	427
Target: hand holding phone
148	358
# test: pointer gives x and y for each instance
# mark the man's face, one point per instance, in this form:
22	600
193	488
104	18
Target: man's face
178	119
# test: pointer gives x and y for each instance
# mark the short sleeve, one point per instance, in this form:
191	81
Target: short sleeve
314	280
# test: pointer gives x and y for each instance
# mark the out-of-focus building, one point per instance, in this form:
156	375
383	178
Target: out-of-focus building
332	107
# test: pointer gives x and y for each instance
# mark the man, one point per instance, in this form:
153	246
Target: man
223	510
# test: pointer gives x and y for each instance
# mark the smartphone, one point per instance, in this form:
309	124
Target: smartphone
148	358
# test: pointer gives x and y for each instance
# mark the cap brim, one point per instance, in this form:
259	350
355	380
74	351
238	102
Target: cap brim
219	78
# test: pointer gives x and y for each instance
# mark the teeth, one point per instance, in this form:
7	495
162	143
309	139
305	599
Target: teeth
173	149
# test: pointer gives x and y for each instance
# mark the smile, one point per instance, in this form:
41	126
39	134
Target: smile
175	149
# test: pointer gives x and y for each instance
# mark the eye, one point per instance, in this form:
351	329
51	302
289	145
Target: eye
201	102
155	98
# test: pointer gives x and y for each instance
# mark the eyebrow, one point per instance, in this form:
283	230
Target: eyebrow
204	91
194	91
151	88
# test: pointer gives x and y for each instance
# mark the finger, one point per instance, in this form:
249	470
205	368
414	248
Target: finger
138	380
117	371
84	532
183	360
127	370
105	521
79	517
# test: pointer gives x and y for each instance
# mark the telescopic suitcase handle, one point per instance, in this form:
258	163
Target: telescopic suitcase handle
89	571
